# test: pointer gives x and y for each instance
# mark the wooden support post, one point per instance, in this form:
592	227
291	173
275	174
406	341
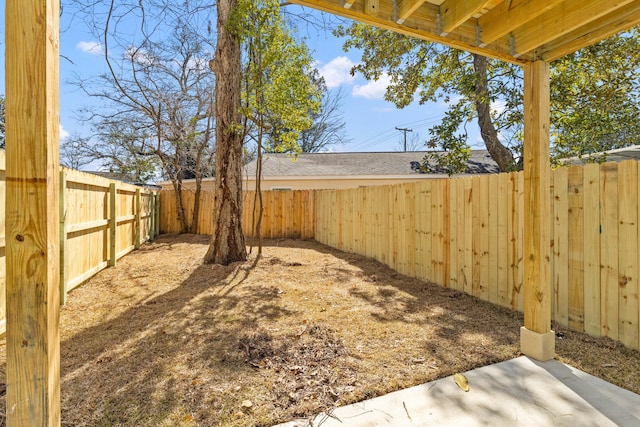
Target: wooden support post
537	340
63	237
157	213
138	231
113	224
32	36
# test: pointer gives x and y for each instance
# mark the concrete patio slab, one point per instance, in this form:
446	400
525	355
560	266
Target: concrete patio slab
518	392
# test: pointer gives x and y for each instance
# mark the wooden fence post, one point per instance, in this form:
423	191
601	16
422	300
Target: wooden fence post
157	213
152	216
137	220
63	237
32	35
113	223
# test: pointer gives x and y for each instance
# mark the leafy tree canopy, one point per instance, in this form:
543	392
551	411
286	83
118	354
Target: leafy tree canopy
585	87
279	95
596	98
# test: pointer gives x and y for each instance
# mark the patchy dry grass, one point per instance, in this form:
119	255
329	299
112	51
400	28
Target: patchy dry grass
163	340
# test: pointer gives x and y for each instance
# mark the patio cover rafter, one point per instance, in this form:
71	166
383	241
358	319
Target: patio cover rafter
516	31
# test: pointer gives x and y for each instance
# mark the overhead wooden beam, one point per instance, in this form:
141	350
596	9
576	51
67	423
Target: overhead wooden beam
423	24
600	29
537	340
506	17
32	212
406	8
561	20
372	7
455	12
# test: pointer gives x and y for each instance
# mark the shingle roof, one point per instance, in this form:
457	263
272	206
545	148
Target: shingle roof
616	155
361	164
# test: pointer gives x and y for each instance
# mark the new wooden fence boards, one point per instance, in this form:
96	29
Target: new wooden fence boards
560	264
502	206
467	266
467	233
86	227
576	249
287	214
87	217
628	253
591	253
609	249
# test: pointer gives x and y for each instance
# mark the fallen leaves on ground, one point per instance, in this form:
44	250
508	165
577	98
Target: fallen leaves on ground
162	339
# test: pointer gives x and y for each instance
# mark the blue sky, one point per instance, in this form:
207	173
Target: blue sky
370	121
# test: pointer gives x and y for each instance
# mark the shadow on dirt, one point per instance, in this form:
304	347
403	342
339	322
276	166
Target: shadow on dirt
136	359
451	319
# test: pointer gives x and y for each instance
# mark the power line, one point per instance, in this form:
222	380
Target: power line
404	130
383	136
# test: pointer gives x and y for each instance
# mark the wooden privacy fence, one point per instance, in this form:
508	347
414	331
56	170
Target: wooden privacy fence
467	233
100	221
287	214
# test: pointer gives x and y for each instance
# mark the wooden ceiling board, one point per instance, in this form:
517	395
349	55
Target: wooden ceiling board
517	31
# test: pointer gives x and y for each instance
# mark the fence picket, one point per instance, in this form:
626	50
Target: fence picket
591	241
628	253
576	249
467	233
609	249
560	265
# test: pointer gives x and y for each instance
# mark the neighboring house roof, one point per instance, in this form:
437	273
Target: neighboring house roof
124	177
128	178
360	164
616	155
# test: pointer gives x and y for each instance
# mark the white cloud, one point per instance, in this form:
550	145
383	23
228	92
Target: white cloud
374	89
94	48
63	133
139	55
196	64
337	72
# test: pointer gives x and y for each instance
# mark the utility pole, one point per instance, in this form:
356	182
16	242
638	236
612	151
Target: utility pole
404	130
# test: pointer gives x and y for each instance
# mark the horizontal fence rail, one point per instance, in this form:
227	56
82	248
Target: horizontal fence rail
101	220
466	233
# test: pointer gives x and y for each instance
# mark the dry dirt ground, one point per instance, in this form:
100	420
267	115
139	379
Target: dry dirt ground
163	340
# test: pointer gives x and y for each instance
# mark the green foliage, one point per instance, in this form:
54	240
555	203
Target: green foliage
595	96
279	95
434	73
119	147
455	149
594	99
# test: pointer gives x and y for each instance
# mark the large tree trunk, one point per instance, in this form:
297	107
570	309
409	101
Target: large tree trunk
227	243
501	154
